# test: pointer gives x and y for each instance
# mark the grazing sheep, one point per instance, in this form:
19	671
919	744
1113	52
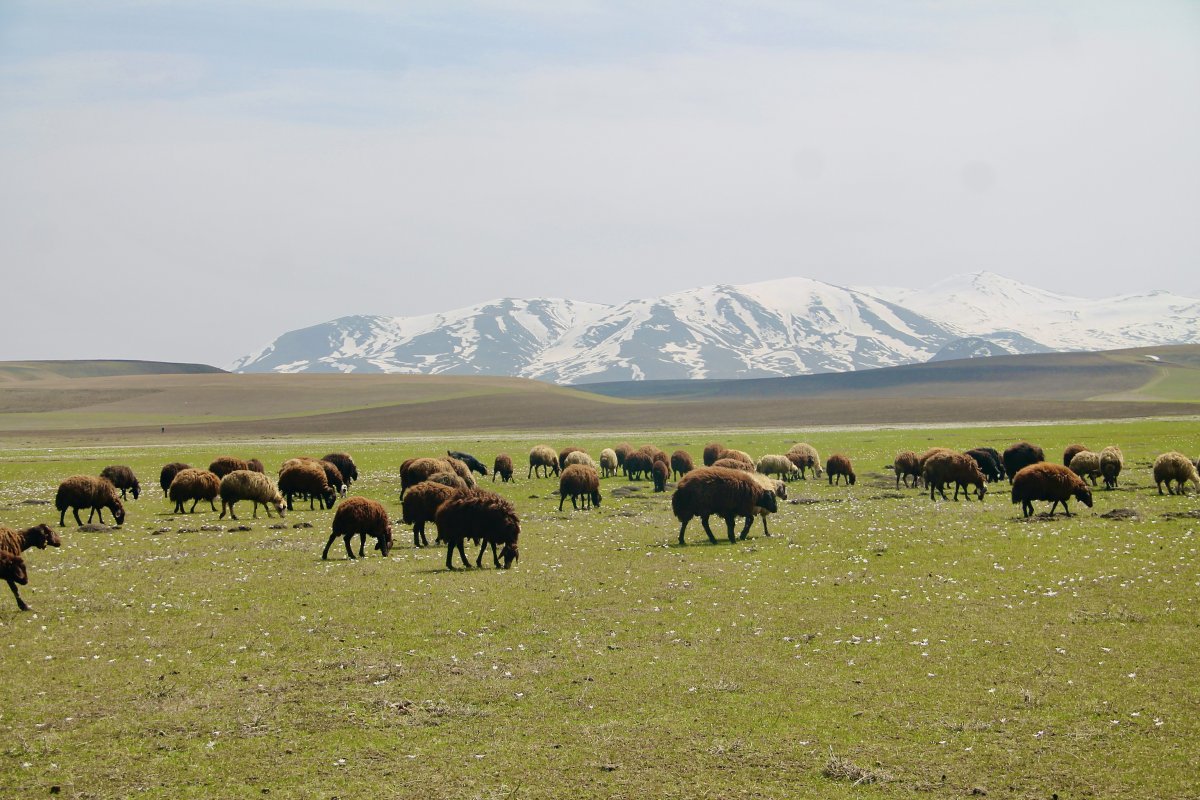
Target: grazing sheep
421	504
195	485
729	493
503	467
777	465
638	464
308	479
1176	467
345	464
681	464
448	479
608	462
415	470
776	487
957	468
542	457
659	473
473	463
930	453
733	463
1111	463
462	470
85	491
123	478
805	457
366	518
224	465
12	544
1086	464
1019	455
562	455
254	465
712	451
737	455
481	516
907	465
837	466
247	484
622	450
989	463
1046	481
579	481
1070	451
654	453
579	457
168	474
333	476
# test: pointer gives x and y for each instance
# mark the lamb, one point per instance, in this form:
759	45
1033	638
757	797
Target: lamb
989	463
712	451
503	467
1070	452
420	506
1019	455
659	473
777	465
1086	464
542	457
246	484
224	465
608	462
579	457
345	464
1046	481
307	478
1176	467
194	485
681	464
579	481
481	516
729	493
837	466
168	474
805	456
85	491
907	465
366	518
733	463
123	478
777	487
473	463
1111	463
622	450
958	468
12	544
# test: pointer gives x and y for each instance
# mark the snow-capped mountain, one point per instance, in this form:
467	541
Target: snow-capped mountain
790	326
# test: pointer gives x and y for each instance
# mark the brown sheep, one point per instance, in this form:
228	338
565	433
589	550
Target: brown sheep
345	464
447	479
1175	467
254	465
168	474
805	457
562	456
659	473
579	481
420	506
1019	455
681	464
224	465
542	457
838	466
1070	452
1111	463
1086	464
736	455
638	464
481	516
415	470
622	451
712	451
930	453
308	479
503	467
12	544
85	491
123	478
957	468
366	518
729	493
733	463
194	485
1046	481
907	465
247	484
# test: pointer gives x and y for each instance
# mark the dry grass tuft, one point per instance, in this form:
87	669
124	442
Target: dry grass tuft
843	769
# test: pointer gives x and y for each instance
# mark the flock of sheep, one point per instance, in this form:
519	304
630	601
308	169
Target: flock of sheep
443	490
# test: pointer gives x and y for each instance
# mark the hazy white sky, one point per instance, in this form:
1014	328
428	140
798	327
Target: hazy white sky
187	180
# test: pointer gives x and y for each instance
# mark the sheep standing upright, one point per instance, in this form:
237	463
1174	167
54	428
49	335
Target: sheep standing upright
776	487
1176	467
622	450
608	462
365	517
12	544
245	484
1020	455
837	467
1086	464
1070	452
420	506
345	464
542	460
473	463
681	464
503	467
806	458
194	485
728	493
1112	460
579	481
638	464
989	463
907	466
122	477
659	473
307	478
957	468
86	491
1047	481
996	459
771	464
579	457
483	517
168	473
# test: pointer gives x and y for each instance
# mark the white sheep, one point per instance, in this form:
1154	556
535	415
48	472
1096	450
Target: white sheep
1176	467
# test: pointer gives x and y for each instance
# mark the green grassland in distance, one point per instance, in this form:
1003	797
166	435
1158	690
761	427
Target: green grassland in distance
944	648
94	368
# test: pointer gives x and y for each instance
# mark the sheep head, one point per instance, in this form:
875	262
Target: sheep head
136	489
280	505
596	498
509	554
766	499
384	543
44	535
118	511
1084	495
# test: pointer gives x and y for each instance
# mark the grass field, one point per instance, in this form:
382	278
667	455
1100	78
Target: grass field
937	649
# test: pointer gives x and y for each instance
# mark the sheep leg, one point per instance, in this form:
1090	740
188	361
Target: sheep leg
100	512
78	521
362	544
325	552
707	529
1066	510
749	522
349	550
574	503
682	528
20	603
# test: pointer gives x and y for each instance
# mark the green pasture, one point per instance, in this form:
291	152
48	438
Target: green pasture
928	649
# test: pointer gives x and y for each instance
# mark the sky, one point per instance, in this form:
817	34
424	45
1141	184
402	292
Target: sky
185	181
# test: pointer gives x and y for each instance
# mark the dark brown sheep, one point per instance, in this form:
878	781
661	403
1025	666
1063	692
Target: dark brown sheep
712	451
415	470
957	468
1070	452
168	474
12	544
907	466
837	467
503	467
473	463
543	460
366	518
1046	481
579	481
483	517
638	464
659	473
123	478
194	485
1019	455
345	464
333	476
933	451
728	493
420	506
681	463
85	491
254	465
446	479
224	465
989	463
308	479
622	451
